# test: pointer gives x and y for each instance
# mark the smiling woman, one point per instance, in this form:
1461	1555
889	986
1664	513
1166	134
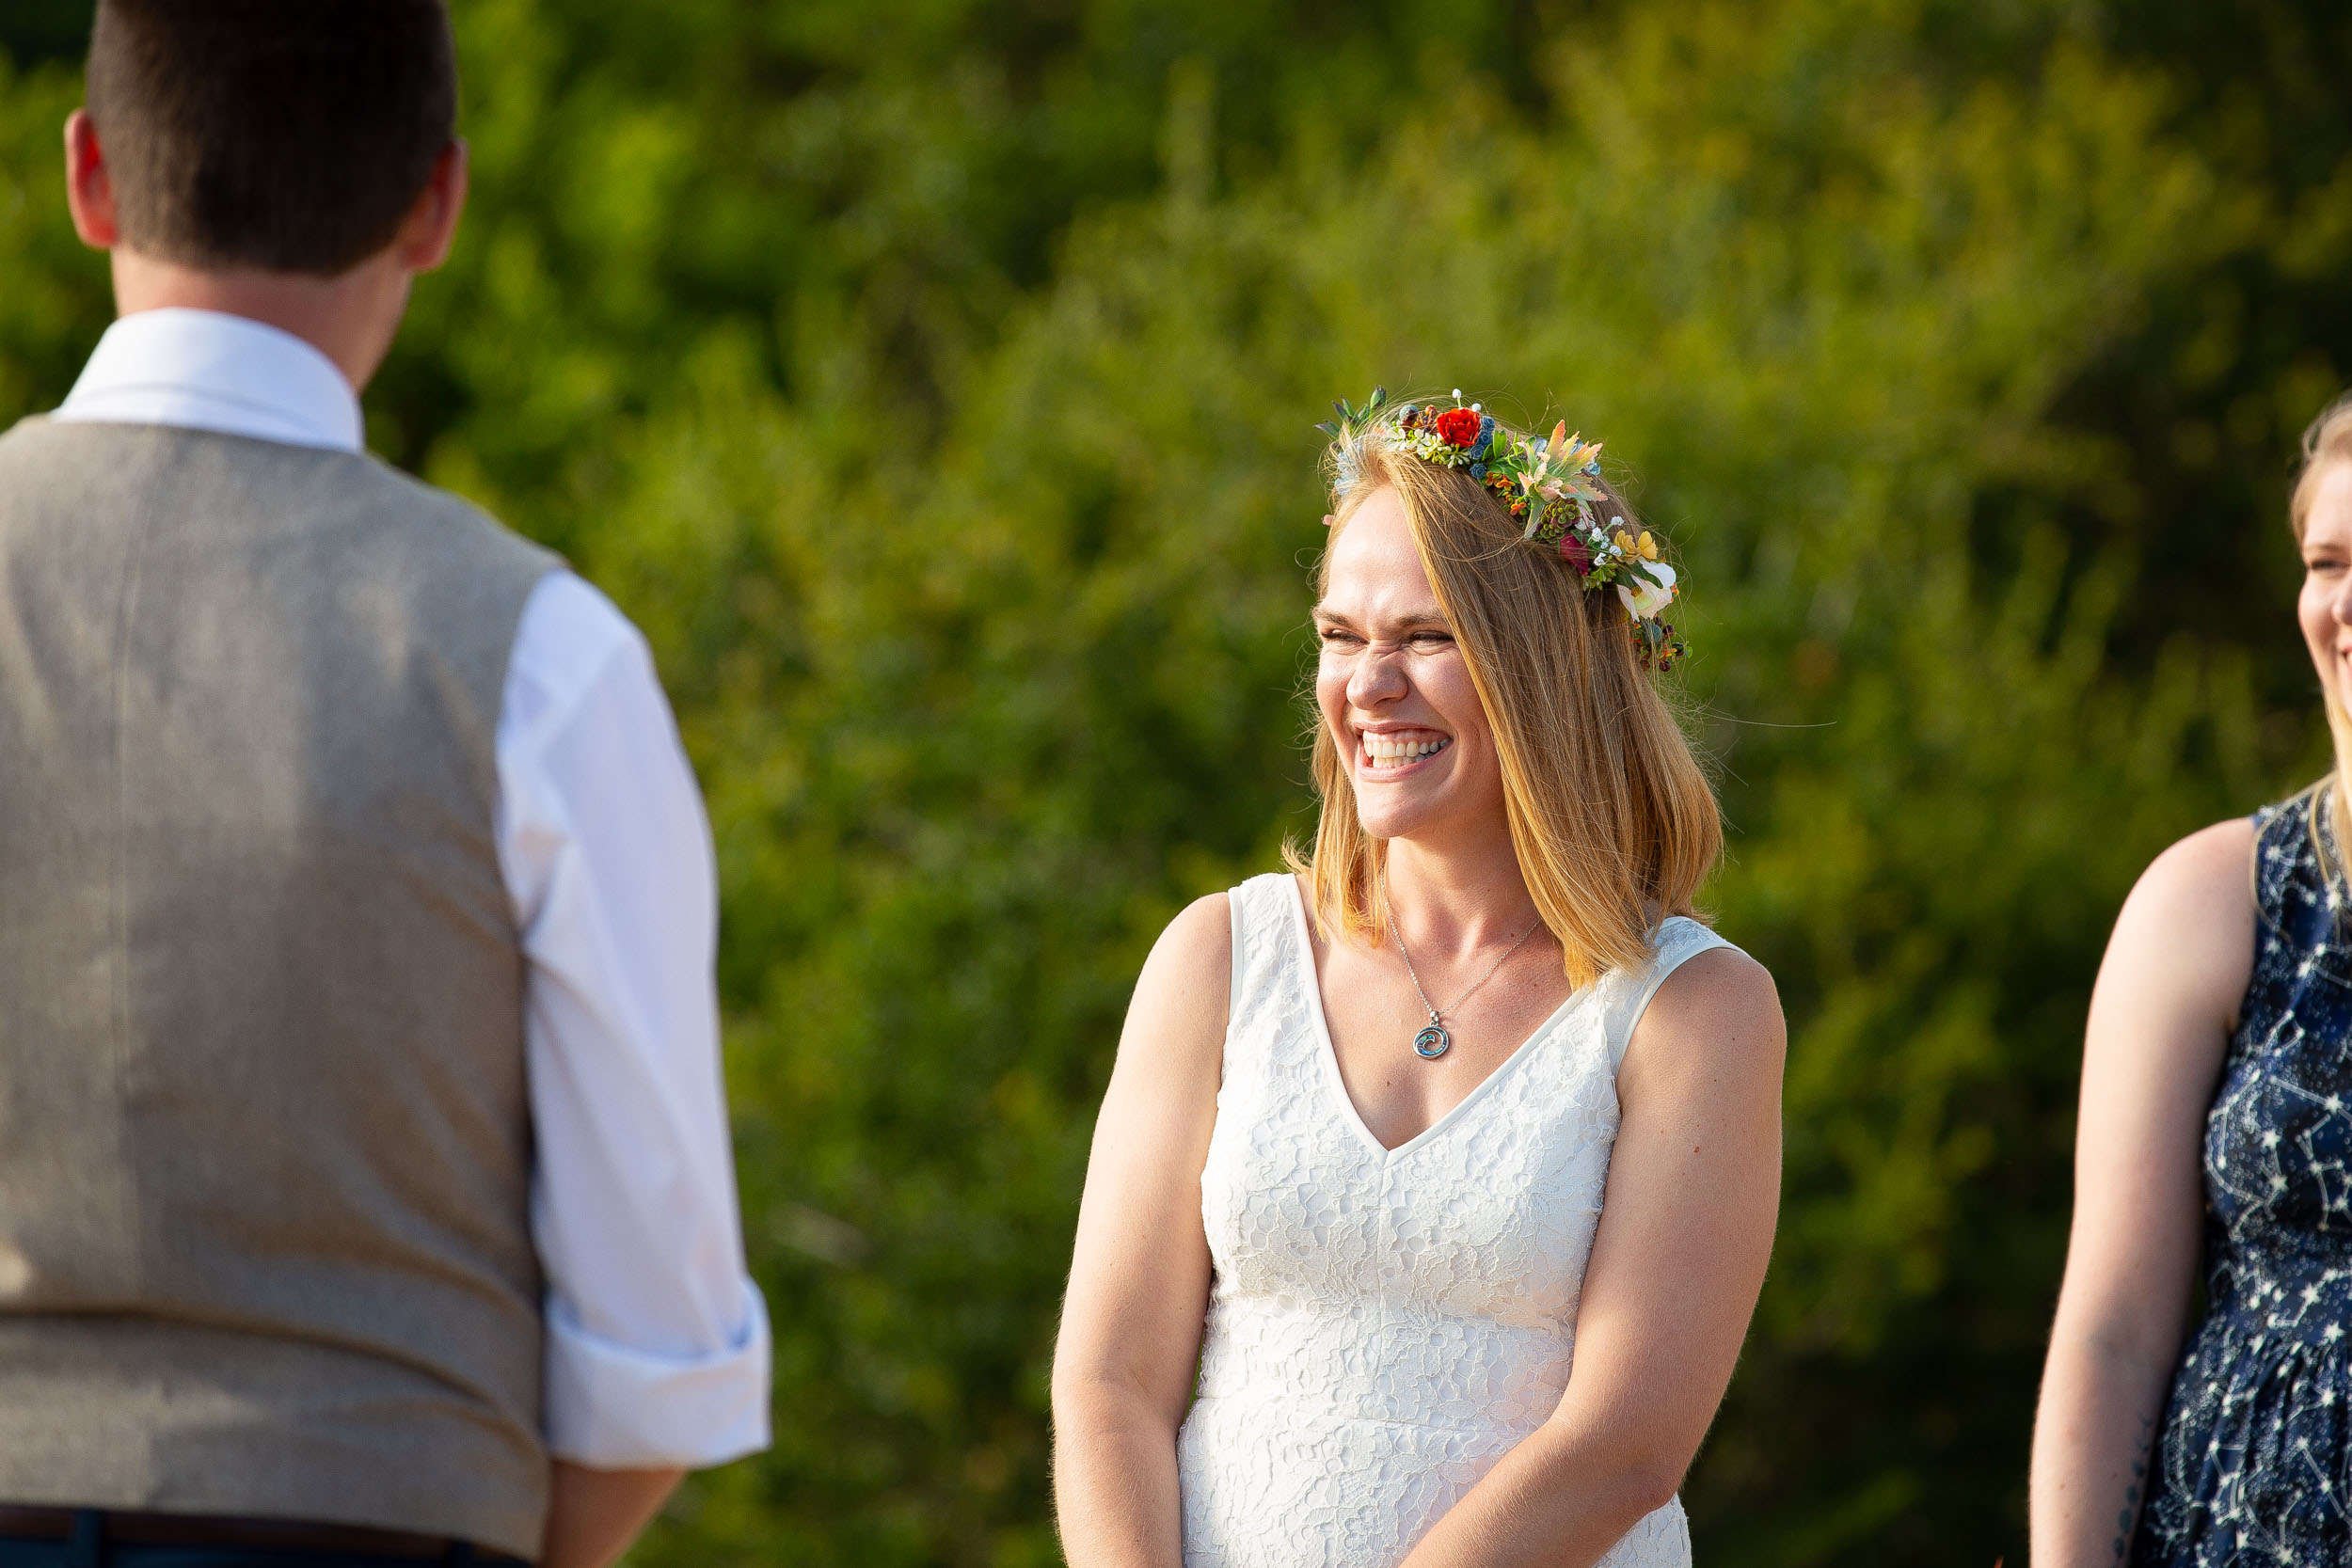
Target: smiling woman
1612	819
2215	1119
1463	1138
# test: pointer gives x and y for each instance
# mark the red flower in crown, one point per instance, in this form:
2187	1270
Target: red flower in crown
1574	552
1458	427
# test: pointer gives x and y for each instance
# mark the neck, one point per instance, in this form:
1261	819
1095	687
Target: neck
1459	897
350	317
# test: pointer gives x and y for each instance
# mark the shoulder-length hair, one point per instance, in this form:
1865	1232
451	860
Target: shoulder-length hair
1612	818
2326	441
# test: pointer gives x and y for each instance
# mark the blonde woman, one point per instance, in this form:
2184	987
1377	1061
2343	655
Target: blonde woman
2217	1117
1463	1140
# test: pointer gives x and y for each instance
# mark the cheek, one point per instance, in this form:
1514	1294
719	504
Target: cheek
1449	690
2315	607
1331	689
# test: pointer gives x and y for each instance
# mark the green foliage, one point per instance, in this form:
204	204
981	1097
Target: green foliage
935	387
55	301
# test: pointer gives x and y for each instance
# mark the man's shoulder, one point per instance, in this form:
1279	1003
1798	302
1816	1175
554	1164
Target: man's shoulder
32	439
569	637
327	477
428	504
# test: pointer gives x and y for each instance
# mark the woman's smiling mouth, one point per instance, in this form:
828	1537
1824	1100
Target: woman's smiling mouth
1394	753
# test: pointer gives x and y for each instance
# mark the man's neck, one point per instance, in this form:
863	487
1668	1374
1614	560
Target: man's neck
350	317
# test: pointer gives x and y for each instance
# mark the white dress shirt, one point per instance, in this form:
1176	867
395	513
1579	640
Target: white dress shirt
657	1347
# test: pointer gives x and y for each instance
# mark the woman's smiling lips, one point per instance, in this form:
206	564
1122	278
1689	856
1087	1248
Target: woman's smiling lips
1394	752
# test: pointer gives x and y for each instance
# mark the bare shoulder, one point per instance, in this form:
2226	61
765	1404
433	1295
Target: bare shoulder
1176	1021
2208	875
1719	987
1718	1007
2184	939
1718	981
1197	947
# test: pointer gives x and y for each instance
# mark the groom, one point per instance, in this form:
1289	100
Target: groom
365	1193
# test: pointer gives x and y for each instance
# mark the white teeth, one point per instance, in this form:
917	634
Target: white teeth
1380	749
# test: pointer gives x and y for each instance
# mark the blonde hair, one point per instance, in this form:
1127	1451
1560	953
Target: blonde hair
2328	439
1614	821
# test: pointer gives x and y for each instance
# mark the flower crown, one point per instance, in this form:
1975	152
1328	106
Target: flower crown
1554	485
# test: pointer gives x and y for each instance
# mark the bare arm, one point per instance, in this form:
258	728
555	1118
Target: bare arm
2161	1016
1686	1231
1140	1281
593	1515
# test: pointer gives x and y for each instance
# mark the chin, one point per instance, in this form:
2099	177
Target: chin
1392	819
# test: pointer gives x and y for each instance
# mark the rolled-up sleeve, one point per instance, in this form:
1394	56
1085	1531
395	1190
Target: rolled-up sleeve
657	1340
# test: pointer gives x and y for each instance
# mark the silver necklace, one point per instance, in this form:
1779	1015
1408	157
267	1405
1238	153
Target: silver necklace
1433	1041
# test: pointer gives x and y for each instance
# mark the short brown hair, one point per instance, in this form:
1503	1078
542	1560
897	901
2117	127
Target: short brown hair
292	136
1612	818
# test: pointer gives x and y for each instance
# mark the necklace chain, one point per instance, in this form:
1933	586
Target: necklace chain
1437	1015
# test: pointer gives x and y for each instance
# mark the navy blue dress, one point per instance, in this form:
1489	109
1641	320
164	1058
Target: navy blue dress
2251	1468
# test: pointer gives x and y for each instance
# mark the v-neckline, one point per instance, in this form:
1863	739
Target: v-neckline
1349	1112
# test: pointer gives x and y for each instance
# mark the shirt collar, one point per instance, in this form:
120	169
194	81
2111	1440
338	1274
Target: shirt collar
206	370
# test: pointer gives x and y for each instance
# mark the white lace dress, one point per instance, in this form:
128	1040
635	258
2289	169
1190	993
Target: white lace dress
1385	1325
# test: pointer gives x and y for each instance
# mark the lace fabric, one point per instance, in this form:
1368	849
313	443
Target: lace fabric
1385	1325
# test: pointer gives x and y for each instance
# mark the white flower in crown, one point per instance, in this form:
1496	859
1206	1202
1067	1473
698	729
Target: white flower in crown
1645	599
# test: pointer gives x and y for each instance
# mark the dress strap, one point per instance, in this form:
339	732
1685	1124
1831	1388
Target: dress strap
2282	845
1264	910
2301	927
1677	939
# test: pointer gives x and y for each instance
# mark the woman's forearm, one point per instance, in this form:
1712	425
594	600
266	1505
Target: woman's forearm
2095	1442
1115	1489
1559	1500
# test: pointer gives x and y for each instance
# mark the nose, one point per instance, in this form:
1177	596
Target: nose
2341	607
1378	678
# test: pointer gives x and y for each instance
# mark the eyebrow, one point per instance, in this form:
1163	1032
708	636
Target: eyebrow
1434	618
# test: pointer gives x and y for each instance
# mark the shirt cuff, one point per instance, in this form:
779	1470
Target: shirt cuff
612	1407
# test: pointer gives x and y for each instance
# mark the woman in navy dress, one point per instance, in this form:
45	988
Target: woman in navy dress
2217	1117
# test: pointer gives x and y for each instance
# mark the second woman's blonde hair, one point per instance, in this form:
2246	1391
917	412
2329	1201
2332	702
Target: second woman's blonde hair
2327	440
1614	821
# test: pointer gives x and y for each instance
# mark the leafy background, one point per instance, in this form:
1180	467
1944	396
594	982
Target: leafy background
933	383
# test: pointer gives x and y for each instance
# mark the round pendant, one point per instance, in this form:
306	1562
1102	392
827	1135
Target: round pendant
1432	1043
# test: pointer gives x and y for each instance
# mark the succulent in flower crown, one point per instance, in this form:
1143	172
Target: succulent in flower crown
1551	486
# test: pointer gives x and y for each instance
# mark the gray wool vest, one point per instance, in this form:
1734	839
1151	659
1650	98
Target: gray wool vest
265	1145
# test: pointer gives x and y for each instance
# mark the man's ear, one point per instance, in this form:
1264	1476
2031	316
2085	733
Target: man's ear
432	223
89	190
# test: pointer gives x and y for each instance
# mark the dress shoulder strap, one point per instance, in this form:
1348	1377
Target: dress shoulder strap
1677	939
2283	853
2299	906
1264	910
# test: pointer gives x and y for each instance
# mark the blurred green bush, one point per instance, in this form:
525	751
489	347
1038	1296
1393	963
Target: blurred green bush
935	387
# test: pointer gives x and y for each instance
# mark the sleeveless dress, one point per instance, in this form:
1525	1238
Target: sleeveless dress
2254	1467
1385	1325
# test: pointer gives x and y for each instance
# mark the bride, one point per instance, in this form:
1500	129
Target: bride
1436	1181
